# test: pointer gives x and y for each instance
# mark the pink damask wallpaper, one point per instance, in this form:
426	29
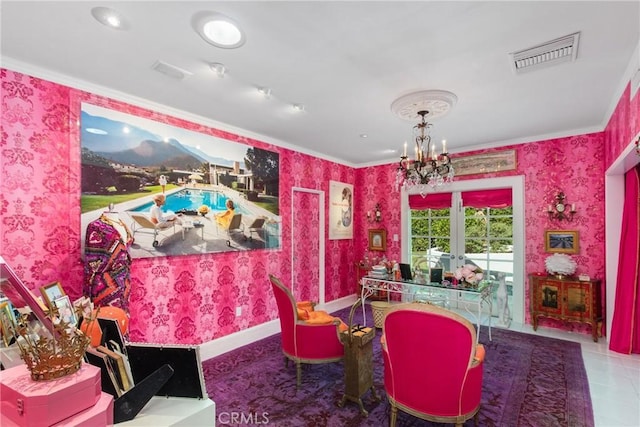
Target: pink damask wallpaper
574	165
192	299
183	300
623	125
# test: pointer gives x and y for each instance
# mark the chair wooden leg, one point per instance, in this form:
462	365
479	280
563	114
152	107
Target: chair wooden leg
299	373
394	416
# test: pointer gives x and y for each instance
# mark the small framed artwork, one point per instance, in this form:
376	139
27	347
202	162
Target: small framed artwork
499	161
66	310
377	240
561	241
7	322
52	292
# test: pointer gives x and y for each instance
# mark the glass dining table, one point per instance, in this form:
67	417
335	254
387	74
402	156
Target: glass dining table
472	300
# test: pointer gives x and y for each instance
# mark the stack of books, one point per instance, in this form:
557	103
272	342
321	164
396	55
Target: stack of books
378	272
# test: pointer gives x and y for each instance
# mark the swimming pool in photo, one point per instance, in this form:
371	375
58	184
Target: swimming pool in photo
192	200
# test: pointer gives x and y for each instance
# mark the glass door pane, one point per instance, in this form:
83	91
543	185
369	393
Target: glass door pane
451	238
430	239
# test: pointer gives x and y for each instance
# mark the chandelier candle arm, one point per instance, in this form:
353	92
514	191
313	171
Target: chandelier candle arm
429	169
432	171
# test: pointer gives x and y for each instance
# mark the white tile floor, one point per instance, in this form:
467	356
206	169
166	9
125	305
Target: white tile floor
614	378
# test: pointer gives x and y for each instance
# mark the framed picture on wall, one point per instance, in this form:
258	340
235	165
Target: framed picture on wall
485	163
377	240
340	210
561	241
208	169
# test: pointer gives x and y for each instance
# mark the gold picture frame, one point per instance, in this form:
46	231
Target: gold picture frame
499	161
7	322
377	240
52	292
562	241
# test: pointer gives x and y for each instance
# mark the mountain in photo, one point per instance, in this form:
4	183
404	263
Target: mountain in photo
156	153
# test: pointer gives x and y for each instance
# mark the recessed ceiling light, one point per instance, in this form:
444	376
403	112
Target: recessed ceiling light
110	18
218	30
298	107
364	135
218	68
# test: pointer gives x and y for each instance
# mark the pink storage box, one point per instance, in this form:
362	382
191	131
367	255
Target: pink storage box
100	415
44	403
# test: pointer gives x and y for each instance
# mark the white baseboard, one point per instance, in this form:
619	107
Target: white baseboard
230	342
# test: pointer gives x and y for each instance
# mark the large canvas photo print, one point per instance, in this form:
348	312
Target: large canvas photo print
171	191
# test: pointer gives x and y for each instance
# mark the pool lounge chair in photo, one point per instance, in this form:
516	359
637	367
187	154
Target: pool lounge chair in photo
256	226
142	222
235	226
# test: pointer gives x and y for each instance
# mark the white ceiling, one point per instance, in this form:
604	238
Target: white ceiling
346	62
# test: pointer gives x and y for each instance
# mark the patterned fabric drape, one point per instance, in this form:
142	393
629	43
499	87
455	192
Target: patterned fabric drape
625	326
431	201
496	199
107	264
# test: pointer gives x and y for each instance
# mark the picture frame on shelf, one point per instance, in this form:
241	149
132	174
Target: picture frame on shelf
52	292
7	321
562	241
66	310
377	240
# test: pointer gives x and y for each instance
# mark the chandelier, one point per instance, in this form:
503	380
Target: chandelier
428	169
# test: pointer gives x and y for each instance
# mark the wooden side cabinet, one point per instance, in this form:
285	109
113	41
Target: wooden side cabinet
569	300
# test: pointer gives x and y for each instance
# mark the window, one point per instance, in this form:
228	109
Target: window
445	233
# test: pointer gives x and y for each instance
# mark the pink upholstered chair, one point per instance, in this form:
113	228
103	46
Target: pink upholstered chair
302	342
432	364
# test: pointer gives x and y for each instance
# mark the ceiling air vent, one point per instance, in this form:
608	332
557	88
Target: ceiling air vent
171	70
546	54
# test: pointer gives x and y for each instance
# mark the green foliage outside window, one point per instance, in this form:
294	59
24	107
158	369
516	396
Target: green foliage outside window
486	230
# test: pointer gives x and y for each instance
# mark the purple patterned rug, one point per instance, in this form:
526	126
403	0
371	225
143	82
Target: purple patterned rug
529	380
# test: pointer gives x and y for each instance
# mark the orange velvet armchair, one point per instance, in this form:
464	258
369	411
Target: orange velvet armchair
303	342
432	364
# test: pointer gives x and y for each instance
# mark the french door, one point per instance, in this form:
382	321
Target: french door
453	235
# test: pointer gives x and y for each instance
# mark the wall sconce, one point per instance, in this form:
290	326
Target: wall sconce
376	215
561	210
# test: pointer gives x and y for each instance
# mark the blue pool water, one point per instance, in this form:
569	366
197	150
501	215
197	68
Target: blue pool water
192	200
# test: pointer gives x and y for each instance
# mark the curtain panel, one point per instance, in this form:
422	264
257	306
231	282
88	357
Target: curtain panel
431	201
496	199
625	326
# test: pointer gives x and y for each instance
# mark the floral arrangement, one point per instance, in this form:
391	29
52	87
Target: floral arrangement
203	210
469	273
560	264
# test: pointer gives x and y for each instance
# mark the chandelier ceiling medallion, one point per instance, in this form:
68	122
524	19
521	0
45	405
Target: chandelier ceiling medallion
428	169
